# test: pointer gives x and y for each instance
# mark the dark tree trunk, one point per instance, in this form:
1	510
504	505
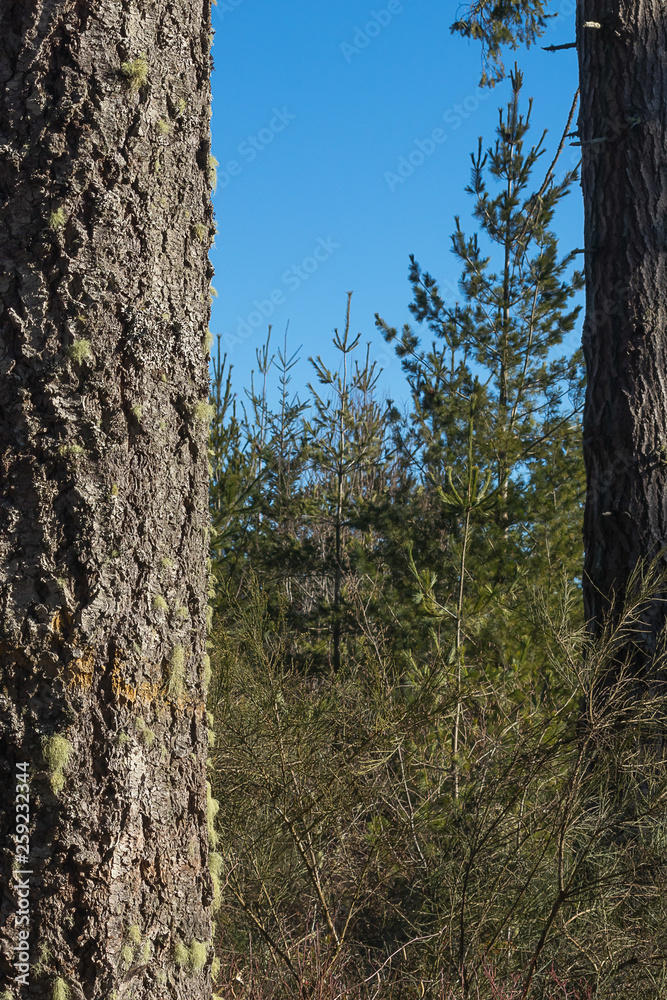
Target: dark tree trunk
104	283
623	132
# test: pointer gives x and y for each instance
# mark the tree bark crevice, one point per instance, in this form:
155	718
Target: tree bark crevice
104	288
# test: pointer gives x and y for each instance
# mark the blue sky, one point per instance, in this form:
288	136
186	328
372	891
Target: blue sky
343	132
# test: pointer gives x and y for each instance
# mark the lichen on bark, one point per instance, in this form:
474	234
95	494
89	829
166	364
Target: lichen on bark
103	312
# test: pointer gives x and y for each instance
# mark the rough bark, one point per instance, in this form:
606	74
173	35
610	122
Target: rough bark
104	289
623	134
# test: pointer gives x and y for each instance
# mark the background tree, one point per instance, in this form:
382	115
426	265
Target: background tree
499	23
300	518
348	438
106	223
490	399
234	482
622	133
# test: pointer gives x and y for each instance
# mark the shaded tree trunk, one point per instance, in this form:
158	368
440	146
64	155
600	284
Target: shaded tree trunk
623	133
105	227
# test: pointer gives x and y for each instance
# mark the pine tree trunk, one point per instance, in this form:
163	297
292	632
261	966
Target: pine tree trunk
623	133
105	226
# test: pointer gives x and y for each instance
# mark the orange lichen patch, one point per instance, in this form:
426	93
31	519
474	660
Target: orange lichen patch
154	692
147	691
79	673
125	691
121	689
61	623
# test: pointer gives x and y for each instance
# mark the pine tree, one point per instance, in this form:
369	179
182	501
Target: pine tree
498	23
495	351
294	491
347	436
234	482
622	131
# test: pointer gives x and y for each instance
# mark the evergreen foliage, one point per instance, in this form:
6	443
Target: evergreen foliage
487	403
420	793
499	23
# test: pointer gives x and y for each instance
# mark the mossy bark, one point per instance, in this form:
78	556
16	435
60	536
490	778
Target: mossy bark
104	289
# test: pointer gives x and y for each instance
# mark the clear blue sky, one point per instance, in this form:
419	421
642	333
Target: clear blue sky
316	106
